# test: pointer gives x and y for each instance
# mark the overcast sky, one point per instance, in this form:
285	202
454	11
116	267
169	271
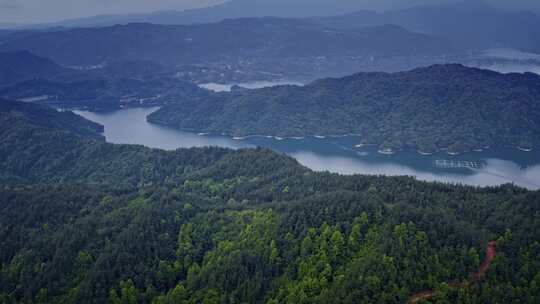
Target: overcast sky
34	11
24	11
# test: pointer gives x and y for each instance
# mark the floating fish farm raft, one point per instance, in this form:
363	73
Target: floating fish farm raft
458	164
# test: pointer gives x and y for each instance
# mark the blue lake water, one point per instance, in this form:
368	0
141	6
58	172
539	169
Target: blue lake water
335	154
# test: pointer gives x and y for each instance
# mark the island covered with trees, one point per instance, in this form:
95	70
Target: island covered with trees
442	107
85	221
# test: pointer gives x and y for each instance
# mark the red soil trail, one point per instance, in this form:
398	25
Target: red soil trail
491	253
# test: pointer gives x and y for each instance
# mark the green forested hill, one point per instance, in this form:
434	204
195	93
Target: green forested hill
440	107
23	65
25	76
42	144
136	225
17	116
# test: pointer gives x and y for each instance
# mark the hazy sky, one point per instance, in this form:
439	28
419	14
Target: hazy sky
23	11
32	11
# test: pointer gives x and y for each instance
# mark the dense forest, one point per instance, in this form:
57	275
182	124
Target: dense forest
23	65
442	107
20	115
84	221
25	76
100	94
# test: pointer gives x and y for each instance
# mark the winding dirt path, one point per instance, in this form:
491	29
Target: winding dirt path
491	253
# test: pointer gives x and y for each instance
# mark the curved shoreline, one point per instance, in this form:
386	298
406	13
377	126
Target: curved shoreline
359	146
318	136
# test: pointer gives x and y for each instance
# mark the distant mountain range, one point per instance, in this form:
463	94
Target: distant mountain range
22	65
103	93
268	48
19	66
228	10
227	42
443	107
25	76
470	24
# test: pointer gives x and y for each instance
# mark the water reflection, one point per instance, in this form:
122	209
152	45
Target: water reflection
129	126
334	154
496	171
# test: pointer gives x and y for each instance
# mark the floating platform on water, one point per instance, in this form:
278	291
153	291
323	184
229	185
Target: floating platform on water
387	151
458	164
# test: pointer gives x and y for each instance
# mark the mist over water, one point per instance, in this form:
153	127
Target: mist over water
512	68
510	54
511	61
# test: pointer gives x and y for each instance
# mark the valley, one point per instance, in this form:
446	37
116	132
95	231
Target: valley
269	152
213	208
334	154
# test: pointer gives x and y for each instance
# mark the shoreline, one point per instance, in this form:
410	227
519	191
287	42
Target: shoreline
277	137
317	136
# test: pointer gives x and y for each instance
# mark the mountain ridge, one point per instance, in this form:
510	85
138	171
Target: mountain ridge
480	24
217	13
17	66
405	110
246	38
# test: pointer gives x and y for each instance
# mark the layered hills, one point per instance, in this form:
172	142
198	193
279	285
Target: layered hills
227	41
85	221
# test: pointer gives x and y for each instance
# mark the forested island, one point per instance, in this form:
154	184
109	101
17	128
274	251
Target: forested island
442	107
85	221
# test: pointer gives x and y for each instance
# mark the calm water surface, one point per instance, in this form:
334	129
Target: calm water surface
217	87
333	154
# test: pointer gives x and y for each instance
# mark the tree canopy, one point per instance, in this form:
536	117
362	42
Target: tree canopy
83	221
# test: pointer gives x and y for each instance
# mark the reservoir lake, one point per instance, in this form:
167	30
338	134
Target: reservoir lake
337	154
